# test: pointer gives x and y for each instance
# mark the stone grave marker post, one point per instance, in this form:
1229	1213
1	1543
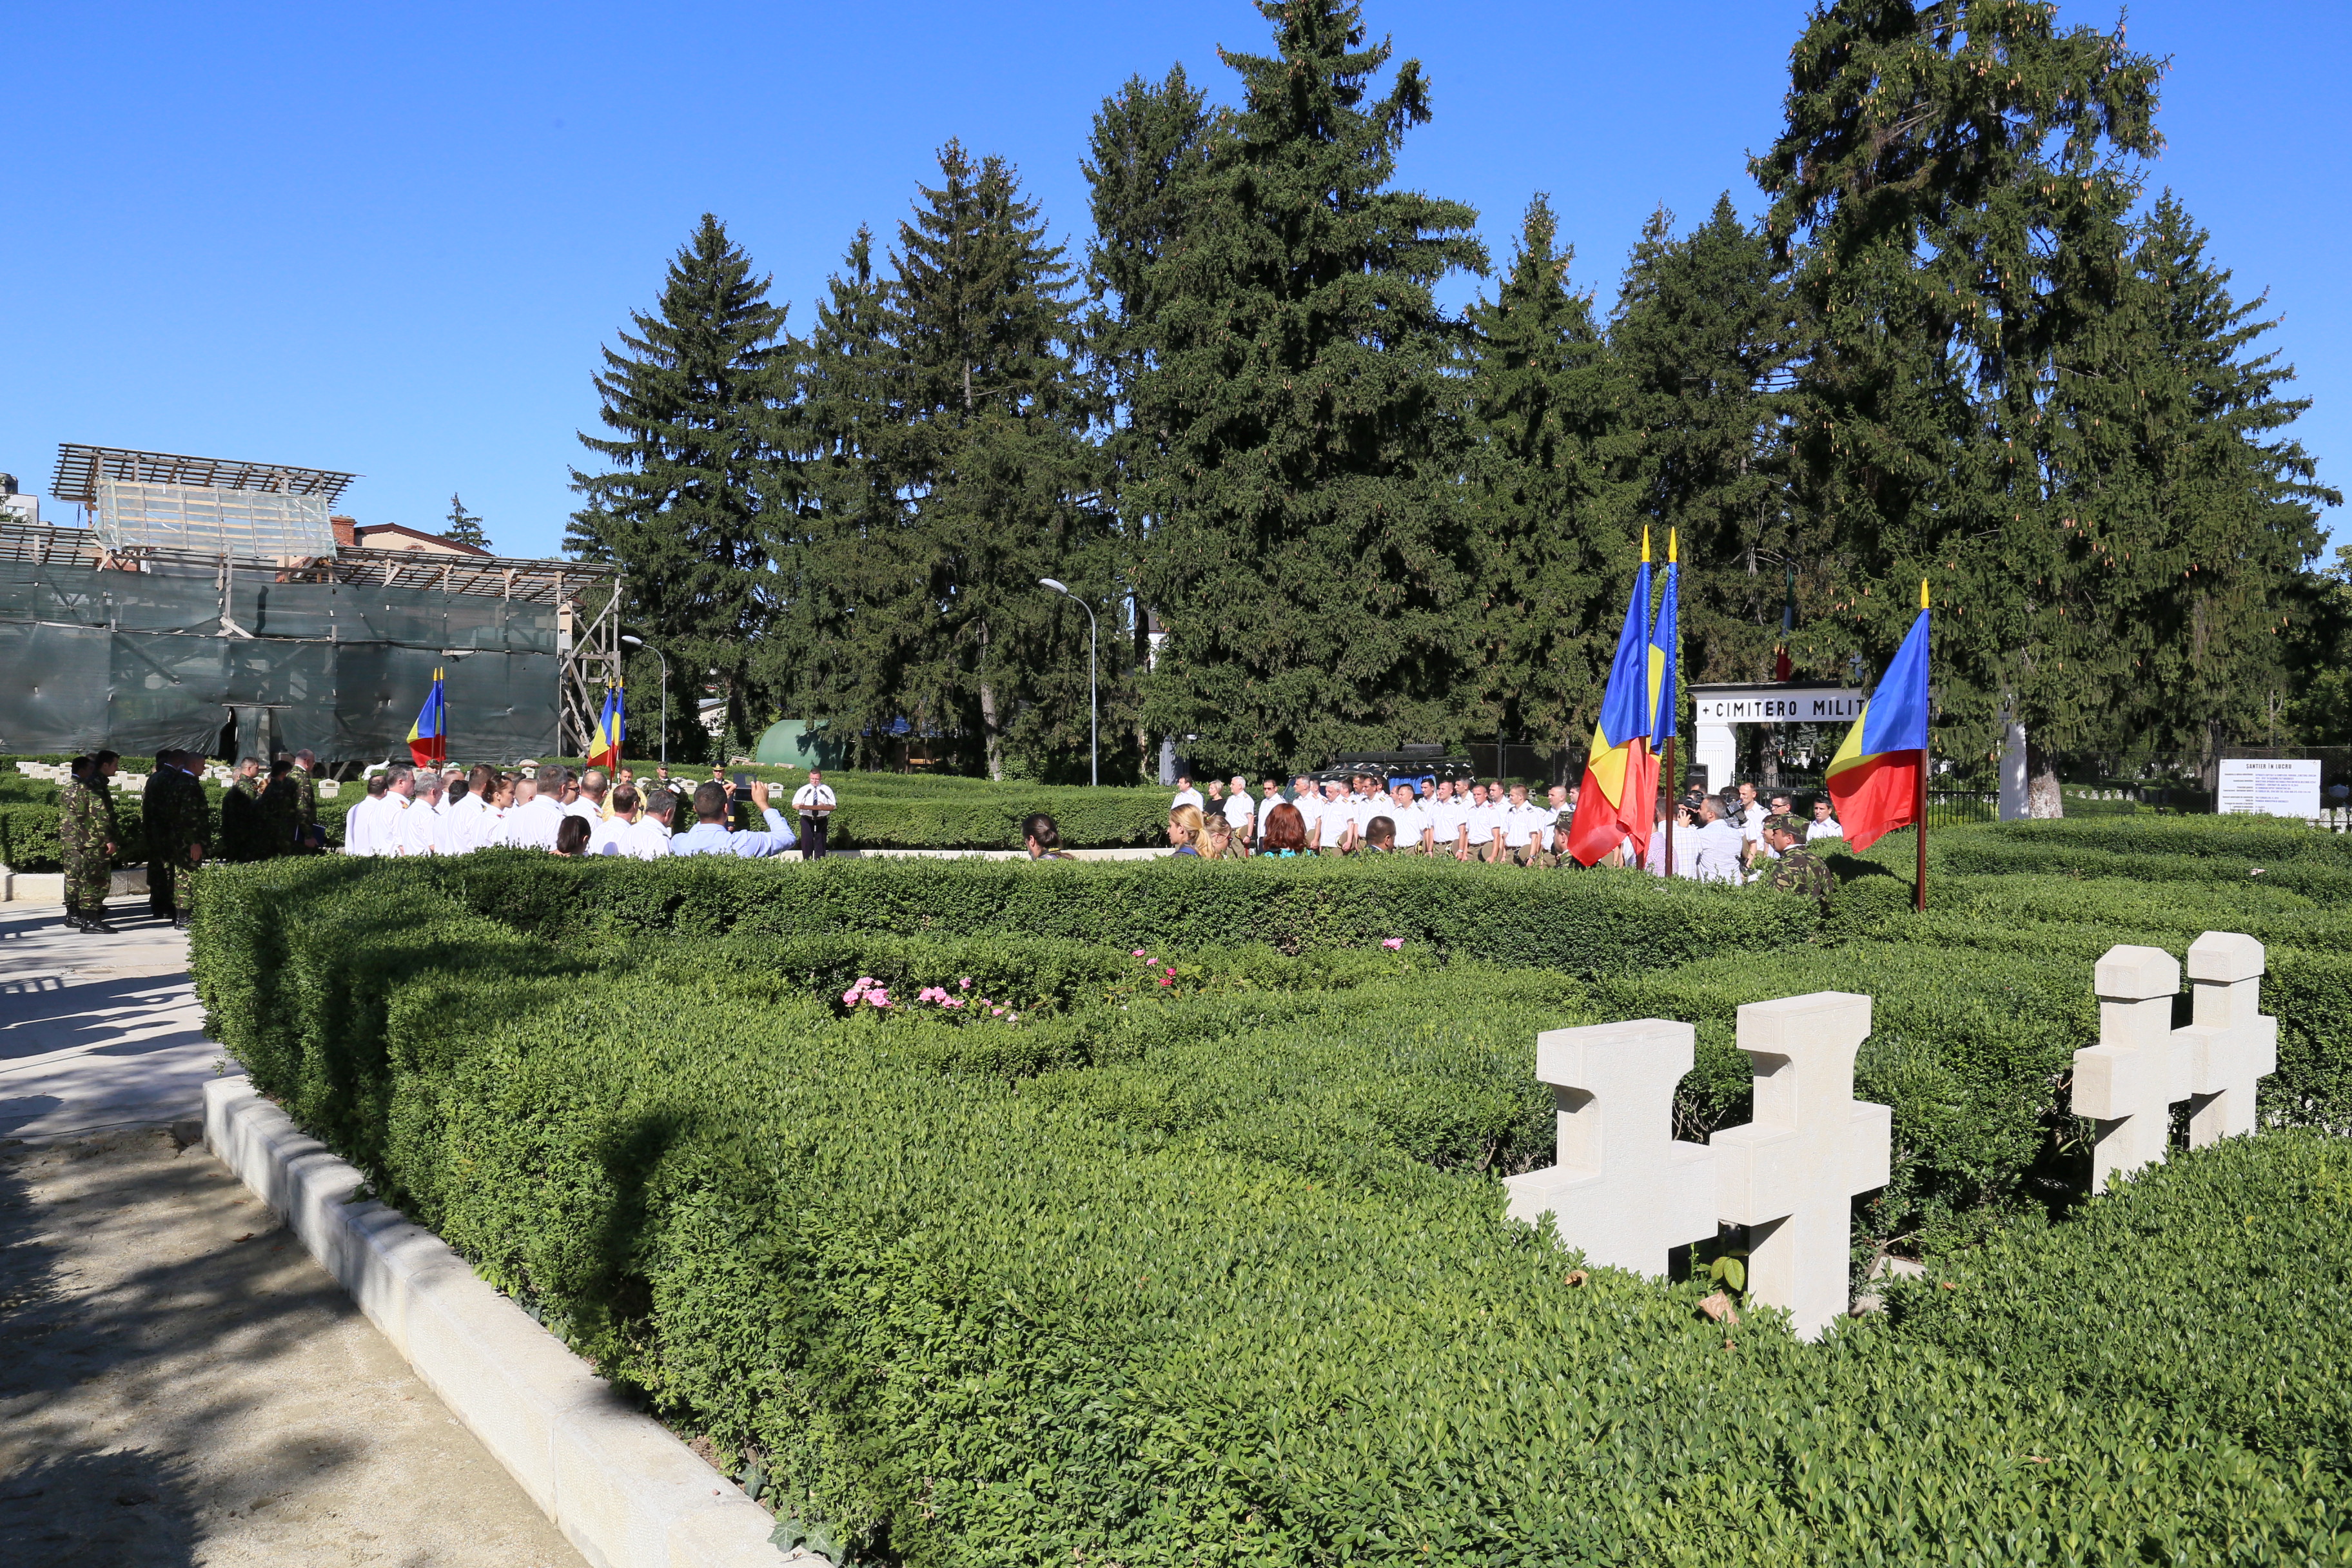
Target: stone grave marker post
2127	1082
1625	1190
2230	1043
1792	1175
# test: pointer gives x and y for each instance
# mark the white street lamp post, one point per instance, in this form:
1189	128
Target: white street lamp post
640	642
1093	707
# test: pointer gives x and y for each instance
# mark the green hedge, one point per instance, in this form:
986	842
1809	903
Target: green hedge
1224	1282
1594	924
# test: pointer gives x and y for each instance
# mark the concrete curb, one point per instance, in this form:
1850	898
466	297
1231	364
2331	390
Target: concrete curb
49	887
618	1485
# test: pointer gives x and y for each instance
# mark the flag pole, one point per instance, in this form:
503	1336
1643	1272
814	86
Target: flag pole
1672	780
1919	882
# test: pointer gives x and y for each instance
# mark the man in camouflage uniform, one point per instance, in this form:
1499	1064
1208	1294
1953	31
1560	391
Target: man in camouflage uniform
1797	870
306	787
181	837
87	829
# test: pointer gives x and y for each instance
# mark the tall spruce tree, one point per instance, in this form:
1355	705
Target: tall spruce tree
2183	497
1310	577
939	436
1004	482
1702	332
1958	173
852	613
1551	519
690	397
1147	142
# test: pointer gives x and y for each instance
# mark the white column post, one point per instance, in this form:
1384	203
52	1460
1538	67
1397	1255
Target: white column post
1716	754
2231	1044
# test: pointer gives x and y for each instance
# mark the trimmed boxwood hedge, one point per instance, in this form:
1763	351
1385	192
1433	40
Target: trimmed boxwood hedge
1224	1280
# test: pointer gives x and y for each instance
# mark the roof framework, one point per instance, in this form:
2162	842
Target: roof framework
80	467
487	576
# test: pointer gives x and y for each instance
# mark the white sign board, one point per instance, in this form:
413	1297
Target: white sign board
1776	705
2269	788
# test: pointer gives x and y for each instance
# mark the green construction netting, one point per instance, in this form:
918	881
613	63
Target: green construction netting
138	661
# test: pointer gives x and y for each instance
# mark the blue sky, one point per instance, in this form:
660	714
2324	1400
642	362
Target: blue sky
391	239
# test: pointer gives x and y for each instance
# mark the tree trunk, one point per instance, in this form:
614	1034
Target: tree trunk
992	735
2043	798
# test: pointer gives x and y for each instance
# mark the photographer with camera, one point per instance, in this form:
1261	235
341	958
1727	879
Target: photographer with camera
711	836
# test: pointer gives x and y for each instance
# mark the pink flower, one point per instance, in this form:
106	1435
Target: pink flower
849	998
1171	969
1392	943
1137	953
996	1011
952	1002
1165	980
965	983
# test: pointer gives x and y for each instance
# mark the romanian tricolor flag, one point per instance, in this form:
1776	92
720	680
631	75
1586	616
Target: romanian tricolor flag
1617	800
605	751
1877	777
1663	639
428	738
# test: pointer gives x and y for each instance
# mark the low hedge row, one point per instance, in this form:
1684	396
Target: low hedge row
1596	923
1196	1294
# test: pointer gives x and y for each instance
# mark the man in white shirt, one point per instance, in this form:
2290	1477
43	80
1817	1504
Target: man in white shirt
1446	820
1823	824
537	814
468	823
1718	854
1522	826
1241	811
588	806
625	832
421	828
1760	846
1186	794
1412	820
813	802
360	822
1269	798
1555	833
1331	821
1486	822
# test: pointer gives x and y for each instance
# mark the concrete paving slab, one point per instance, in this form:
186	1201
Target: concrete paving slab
182	1384
99	1031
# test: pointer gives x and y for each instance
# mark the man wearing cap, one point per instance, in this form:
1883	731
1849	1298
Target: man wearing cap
1797	869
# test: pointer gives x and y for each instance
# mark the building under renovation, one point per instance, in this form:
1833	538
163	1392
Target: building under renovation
208	607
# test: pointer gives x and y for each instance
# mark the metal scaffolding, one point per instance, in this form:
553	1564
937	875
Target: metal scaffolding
141	646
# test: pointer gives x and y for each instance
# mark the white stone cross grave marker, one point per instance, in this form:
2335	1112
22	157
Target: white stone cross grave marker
1625	1190
2128	1081
1792	1175
2229	1043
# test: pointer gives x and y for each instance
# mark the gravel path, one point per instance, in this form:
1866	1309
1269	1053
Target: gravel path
181	1384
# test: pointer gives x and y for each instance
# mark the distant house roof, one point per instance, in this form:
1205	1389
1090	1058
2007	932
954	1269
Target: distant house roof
396	536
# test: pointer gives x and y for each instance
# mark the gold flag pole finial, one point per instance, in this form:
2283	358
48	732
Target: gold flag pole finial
1645	545
1923	592
1670	545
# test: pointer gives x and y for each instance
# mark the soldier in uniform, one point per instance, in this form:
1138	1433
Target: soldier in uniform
279	812
88	830
1798	870
154	815
240	826
308	839
183	835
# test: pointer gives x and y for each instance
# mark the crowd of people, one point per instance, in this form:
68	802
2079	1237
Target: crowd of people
1738	838
410	811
